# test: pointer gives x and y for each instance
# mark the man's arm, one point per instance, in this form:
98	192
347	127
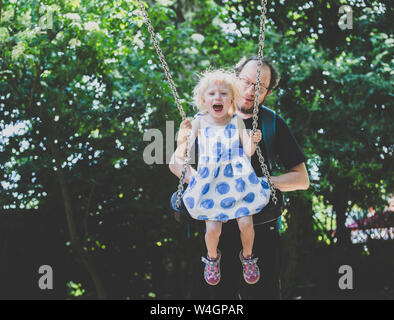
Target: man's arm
296	179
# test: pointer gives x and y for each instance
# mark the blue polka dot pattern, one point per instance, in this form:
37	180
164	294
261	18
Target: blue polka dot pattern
240	185
222	217
201	148
205	189
232	153
219	151
203	172
229	131
207	204
242	212
238	166
264	194
227	155
192	183
237	148
265	184
223	188
227	203
253	178
190	202
216	172
249	197
209	132
198	114
228	171
204	159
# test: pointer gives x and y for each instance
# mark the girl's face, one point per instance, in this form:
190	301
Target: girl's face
218	100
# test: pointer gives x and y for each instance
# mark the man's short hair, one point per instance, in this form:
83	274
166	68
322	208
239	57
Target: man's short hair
274	73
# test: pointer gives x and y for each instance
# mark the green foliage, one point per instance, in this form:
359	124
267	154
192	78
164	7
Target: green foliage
75	289
83	78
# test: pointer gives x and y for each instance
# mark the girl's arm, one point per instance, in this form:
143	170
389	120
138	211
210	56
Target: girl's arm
177	159
176	167
187	127
247	141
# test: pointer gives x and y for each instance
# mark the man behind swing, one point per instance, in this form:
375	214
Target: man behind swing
289	155
266	243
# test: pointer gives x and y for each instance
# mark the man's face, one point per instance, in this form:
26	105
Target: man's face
248	77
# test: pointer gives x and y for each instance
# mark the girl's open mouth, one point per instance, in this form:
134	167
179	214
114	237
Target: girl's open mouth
217	107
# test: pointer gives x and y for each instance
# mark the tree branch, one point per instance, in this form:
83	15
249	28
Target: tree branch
35	84
57	155
12	80
86	216
15	13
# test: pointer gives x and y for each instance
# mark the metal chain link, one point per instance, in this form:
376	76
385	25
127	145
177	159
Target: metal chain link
162	59
183	175
176	97
263	166
259	63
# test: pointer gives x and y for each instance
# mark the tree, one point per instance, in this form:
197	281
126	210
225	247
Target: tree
84	82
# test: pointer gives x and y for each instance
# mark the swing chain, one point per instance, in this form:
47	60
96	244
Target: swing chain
259	63
162	59
263	166
176	97
174	93
184	169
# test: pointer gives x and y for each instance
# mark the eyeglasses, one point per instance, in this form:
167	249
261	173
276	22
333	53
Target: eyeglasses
247	83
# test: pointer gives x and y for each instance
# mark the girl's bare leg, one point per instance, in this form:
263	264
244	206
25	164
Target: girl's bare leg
245	225
212	235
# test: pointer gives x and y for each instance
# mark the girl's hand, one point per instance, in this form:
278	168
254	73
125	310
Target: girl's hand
257	136
184	130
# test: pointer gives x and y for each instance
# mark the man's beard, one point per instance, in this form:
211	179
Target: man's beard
245	110
248	110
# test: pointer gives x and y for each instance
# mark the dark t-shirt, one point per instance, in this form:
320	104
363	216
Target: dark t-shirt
287	152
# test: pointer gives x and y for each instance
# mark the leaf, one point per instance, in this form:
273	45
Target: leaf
4	34
18	50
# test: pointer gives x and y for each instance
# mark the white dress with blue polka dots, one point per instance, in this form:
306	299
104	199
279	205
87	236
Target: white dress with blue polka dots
225	186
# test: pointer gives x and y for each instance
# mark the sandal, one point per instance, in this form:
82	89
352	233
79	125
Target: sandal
250	268
212	269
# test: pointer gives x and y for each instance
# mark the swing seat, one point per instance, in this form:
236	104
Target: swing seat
182	208
181	214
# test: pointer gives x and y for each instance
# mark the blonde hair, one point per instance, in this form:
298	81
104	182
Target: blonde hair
217	76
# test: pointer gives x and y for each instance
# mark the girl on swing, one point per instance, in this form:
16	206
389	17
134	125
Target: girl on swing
224	186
